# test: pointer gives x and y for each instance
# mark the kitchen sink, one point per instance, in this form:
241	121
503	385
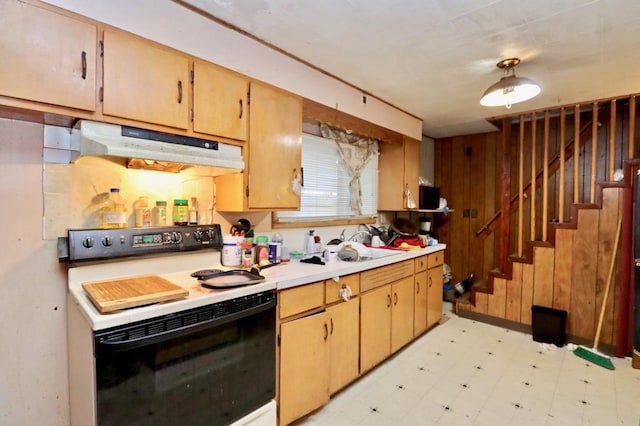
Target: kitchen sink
376	253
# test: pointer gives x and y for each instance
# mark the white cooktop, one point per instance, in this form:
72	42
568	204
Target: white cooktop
176	268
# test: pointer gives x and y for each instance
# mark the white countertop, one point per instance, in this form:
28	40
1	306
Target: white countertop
283	276
295	273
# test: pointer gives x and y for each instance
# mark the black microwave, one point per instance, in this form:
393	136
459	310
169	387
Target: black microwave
429	198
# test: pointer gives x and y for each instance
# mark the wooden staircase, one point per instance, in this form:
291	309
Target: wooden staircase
560	244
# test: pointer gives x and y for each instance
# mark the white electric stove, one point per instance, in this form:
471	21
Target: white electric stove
188	360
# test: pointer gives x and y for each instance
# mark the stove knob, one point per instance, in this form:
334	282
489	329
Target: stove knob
107	241
211	233
197	235
87	242
176	237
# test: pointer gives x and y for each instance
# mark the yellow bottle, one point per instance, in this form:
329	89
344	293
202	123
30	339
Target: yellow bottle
113	213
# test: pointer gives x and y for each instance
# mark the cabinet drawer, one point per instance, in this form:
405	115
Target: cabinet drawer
435	259
332	288
300	299
385	274
420	264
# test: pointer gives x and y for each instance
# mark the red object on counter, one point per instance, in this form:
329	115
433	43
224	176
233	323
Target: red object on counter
412	241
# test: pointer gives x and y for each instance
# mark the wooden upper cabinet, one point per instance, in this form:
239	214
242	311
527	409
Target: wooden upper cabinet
412	168
398	170
220	105
275	147
145	81
47	57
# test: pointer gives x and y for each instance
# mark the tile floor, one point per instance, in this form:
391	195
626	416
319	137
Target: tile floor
464	372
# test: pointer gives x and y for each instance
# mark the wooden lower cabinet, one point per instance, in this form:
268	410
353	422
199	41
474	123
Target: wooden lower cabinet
304	358
434	297
326	343
344	335
386	321
375	327
318	356
420	302
401	313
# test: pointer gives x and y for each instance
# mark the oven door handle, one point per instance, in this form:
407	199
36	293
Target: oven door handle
106	347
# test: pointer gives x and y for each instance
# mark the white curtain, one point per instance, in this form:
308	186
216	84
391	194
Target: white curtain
355	152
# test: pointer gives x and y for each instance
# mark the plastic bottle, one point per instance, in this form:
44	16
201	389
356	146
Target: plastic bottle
142	211
159	214
193	211
113	214
180	212
275	248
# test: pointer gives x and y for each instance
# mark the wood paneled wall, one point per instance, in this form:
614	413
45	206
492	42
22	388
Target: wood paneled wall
570	275
466	168
564	261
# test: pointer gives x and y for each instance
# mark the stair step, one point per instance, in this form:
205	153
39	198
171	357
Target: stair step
464	298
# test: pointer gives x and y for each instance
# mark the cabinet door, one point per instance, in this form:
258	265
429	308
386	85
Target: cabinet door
420	303
398	170
375	327
391	177
401	313
304	352
275	141
219	101
344	337
47	57
145	81
434	298
411	168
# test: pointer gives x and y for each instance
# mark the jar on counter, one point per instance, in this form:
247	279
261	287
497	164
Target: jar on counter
262	250
231	251
143	212
180	212
159	214
247	254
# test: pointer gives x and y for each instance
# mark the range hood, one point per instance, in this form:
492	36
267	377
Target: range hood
93	138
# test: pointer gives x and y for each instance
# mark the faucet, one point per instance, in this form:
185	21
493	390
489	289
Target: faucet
342	235
366	234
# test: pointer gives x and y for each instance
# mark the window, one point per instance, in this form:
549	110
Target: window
325	195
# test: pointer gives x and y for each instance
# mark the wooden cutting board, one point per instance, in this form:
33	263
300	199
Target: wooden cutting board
122	293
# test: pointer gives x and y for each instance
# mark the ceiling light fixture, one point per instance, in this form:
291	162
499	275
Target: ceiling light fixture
510	89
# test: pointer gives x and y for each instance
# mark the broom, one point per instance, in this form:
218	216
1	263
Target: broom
592	355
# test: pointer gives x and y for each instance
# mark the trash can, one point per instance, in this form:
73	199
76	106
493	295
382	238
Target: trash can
549	325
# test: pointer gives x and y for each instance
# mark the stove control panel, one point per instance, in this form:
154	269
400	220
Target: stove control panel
104	244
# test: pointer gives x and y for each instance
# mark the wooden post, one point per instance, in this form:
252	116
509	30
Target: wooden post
594	152
505	199
576	154
545	177
632	126
521	187
532	190
561	168
612	140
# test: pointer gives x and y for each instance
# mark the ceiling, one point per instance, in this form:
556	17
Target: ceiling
435	58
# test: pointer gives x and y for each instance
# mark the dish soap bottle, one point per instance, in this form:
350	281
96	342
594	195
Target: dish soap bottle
113	213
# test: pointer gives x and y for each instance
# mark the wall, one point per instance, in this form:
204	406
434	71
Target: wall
173	25
32	306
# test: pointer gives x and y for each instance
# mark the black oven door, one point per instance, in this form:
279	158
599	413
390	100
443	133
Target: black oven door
206	366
